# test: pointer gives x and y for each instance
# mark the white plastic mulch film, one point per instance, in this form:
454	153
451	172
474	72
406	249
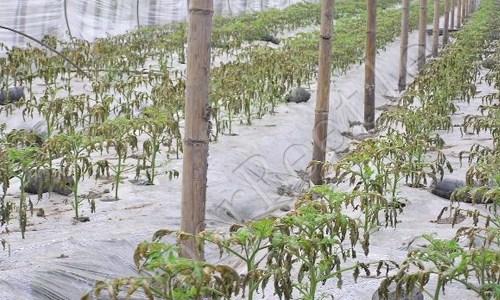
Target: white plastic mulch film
91	19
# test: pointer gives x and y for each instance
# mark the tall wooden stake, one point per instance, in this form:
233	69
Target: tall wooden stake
371	51
452	14
422	32
446	22
403	59
197	115
459	13
435	31
322	104
464	16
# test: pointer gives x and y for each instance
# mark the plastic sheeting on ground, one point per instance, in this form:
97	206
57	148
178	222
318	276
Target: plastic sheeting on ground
93	19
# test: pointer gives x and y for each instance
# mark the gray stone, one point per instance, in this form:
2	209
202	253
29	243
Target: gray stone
298	95
44	181
271	38
446	187
11	95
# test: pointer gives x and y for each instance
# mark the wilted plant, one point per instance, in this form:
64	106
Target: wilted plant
156	124
166	275
312	239
23	163
75	150
477	268
117	134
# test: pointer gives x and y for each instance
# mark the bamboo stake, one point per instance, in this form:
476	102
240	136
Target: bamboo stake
371	51
435	31
464	16
459	14
403	60
322	104
446	22
197	111
452	14
422	32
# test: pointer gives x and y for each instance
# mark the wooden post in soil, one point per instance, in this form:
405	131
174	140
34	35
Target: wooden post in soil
197	116
464	4
320	130
422	32
459	13
371	51
403	59
435	30
446	22
452	14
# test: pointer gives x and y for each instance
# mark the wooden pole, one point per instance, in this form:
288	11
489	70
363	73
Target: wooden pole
403	60
459	14
452	14
446	22
435	31
422	32
371	51
464	4
197	116
322	104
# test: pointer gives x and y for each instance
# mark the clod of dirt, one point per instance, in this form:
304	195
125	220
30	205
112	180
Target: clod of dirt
12	95
446	187
298	95
40	213
285	207
83	219
44	181
285	190
270	38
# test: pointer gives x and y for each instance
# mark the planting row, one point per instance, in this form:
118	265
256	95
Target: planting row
311	244
115	114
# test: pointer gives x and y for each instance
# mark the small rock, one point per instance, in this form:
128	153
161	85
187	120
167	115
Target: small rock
40	213
94	194
83	219
43	181
285	190
285	208
12	95
298	95
106	191
446	187
271	38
